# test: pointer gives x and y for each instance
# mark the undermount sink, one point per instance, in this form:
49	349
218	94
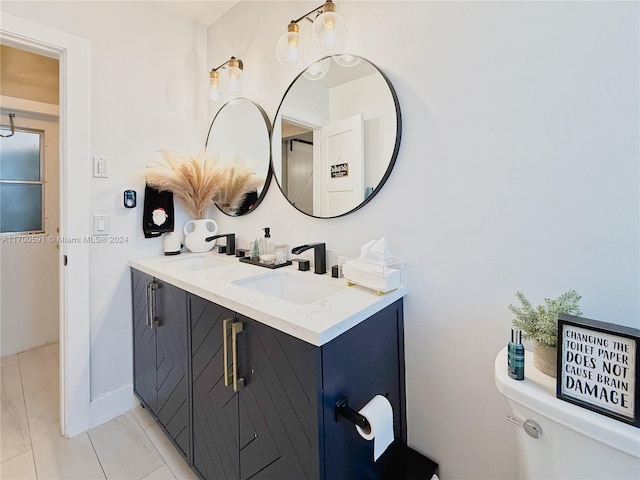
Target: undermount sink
197	262
296	289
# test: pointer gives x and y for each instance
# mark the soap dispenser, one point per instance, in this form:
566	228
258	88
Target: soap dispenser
267	254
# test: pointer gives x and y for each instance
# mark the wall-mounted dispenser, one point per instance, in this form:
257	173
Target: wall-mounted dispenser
130	199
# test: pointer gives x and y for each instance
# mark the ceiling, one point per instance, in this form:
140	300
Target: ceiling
203	12
338	75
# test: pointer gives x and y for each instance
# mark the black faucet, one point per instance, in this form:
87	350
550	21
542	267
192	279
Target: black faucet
319	256
231	242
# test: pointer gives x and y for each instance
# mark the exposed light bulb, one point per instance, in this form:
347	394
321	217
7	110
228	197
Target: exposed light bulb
233	78
329	23
215	90
290	48
329	32
235	84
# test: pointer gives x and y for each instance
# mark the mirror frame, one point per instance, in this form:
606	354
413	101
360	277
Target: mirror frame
394	154
269	176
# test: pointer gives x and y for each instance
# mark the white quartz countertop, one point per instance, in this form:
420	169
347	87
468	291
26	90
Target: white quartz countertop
317	322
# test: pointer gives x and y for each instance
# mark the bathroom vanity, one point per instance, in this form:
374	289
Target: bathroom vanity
244	380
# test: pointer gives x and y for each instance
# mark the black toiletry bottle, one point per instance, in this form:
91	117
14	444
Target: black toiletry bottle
515	355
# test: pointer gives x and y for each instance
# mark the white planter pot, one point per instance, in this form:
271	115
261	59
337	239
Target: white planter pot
195	233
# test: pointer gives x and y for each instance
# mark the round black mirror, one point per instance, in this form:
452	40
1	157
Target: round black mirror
335	136
239	136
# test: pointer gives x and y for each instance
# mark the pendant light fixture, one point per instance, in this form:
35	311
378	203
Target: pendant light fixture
290	48
329	33
229	84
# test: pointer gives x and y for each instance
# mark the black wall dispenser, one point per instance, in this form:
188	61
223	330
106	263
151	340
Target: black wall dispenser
129	199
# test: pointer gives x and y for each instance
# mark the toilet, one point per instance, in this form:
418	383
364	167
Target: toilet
574	443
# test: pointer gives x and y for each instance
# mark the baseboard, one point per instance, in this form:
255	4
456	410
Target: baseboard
112	405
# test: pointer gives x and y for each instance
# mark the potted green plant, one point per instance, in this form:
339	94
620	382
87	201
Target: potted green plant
540	324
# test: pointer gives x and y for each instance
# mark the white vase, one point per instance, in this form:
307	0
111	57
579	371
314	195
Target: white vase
196	232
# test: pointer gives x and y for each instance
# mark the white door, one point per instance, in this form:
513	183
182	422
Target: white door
300	175
339	167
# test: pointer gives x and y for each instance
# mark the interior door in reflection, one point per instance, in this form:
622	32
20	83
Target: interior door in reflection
341	157
300	174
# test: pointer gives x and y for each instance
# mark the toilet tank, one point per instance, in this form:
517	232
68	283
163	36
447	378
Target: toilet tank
575	443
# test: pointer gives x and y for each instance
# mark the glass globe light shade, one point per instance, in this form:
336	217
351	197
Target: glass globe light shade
290	50
318	70
215	89
234	81
329	32
346	60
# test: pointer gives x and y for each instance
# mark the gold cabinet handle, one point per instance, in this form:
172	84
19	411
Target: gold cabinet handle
226	330
236	328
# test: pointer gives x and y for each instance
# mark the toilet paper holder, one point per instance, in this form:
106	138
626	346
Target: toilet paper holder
343	410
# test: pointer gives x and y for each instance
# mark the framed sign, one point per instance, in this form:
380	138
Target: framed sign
598	367
340	170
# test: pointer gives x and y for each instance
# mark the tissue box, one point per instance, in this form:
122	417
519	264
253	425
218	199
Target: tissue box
380	276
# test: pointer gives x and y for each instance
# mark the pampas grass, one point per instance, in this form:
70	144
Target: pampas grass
199	180
239	180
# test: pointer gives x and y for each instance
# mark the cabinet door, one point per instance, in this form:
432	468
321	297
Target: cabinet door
215	406
172	361
364	361
144	344
279	404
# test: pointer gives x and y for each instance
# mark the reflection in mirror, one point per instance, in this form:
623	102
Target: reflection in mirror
239	133
335	138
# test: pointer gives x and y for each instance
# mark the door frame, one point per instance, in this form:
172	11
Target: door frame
73	54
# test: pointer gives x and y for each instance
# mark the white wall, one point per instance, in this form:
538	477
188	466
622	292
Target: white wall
518	169
379	115
147	76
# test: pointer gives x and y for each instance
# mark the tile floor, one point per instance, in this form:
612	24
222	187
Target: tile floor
130	447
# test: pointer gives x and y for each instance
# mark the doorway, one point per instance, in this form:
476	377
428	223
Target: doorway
297	169
74	170
29	201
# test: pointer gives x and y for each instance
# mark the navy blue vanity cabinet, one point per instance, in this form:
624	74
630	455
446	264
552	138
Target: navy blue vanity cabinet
267	412
279	422
160	355
266	427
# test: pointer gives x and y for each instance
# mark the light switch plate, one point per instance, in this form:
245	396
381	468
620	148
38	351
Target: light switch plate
101	167
100	224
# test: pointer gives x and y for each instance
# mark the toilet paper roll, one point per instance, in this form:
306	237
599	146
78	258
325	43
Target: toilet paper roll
379	413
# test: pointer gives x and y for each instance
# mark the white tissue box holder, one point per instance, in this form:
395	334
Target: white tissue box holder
382	277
